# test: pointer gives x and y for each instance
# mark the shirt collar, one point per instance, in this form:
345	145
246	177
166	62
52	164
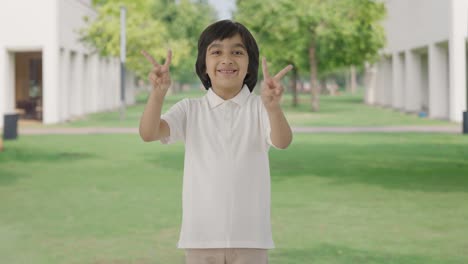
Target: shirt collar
214	100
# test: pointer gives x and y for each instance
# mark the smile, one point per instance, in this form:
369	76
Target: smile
227	71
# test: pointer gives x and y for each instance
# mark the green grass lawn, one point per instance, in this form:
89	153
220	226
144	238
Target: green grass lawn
336	198
343	110
349	110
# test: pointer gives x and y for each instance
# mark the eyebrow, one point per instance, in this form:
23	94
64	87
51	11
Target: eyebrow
217	45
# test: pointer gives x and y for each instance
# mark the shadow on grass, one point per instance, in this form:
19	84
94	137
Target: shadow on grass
333	254
9	176
394	163
407	166
16	156
33	155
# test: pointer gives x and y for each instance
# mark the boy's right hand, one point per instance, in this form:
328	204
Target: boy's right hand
159	76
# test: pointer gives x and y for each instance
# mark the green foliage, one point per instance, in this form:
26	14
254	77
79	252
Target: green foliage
352	35
344	32
185	22
276	31
152	25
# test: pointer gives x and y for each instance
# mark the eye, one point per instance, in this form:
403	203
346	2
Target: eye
215	52
238	52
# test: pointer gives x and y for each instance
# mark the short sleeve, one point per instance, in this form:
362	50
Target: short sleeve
176	118
265	124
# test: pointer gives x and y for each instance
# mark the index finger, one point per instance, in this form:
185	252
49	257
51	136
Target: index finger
168	58
283	72
149	58
265	69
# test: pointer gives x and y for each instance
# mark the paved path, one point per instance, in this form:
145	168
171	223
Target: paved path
117	130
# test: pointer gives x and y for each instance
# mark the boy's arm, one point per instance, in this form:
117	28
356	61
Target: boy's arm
281	134
151	126
272	90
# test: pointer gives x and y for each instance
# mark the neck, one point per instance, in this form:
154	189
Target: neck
226	93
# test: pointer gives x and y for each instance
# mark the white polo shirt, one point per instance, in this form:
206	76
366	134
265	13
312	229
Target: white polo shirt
226	184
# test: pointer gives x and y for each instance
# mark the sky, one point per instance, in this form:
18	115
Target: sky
224	7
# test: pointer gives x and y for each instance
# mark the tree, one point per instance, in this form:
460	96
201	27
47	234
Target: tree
185	21
153	25
331	34
358	39
275	35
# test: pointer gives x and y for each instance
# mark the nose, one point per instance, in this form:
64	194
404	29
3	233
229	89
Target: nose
226	59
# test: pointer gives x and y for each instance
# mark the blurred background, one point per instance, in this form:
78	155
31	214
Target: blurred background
377	100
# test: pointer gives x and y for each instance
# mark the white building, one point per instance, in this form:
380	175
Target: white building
45	72
423	67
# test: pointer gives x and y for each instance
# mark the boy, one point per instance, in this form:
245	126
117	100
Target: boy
227	135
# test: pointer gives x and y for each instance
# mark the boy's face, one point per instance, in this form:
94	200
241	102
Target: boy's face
227	62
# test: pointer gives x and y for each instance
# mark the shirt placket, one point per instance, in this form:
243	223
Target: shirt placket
228	112
228	121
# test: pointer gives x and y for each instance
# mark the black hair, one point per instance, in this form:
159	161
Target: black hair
221	30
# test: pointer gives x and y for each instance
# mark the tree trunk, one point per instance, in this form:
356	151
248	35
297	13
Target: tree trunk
348	81
370	81
294	86
353	80
314	88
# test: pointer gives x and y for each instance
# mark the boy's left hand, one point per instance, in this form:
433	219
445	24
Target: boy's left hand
272	90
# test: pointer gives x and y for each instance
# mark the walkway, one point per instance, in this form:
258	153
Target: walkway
122	130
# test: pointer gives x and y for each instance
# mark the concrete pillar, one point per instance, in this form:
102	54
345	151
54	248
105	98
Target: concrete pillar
51	68
105	80
105	88
3	82
424	81
457	60
112	87
413	86
73	86
438	82
7	83
388	82
94	82
64	101
111	90
102	91
379	88
51	83
107	83
78	84
85	85
7	77
398	80
116	81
